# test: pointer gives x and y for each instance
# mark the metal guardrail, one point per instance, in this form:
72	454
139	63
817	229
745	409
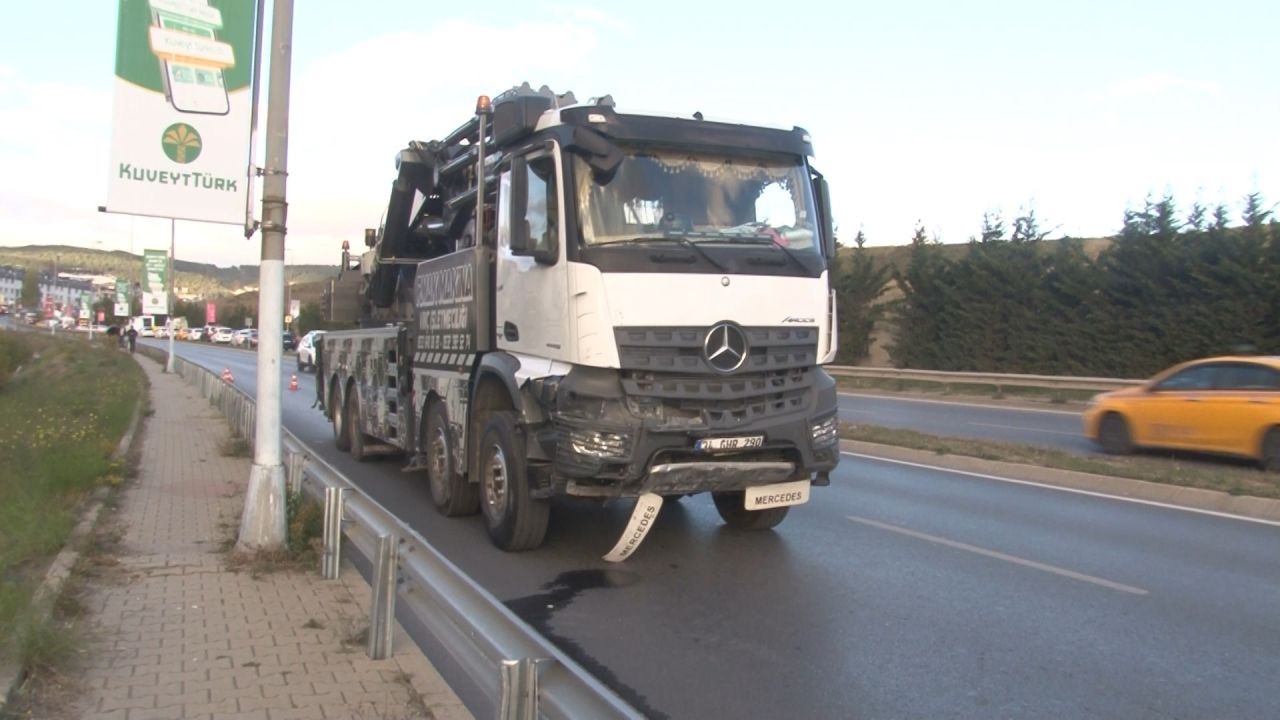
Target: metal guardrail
1000	380
521	674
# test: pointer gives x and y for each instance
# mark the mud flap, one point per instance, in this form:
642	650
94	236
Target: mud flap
642	521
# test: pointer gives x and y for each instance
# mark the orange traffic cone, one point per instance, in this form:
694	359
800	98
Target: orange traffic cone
293	382
227	376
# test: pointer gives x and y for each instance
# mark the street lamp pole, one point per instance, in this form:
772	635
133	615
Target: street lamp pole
262	525
168	365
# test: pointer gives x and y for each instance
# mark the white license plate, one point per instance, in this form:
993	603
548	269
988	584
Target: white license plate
763	497
731	443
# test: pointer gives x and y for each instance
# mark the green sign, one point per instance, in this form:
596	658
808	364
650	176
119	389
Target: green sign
121	309
155	295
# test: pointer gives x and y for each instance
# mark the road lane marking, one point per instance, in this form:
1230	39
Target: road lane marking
1059	488
1027	429
1072	574
1011	408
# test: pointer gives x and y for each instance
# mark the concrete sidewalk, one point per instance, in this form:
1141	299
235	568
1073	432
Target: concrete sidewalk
179	635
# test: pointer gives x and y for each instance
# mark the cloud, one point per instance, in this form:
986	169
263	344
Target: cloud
354	109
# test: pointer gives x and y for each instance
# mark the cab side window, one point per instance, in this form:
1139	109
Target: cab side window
542	214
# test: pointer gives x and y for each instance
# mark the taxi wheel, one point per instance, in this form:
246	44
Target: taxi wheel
1113	435
732	510
1271	450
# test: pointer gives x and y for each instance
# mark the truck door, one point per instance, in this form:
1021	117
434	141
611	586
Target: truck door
532	278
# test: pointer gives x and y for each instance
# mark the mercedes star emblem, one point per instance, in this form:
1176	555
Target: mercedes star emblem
725	347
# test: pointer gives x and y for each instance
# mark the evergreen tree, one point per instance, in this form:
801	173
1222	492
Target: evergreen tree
859	286
30	297
919	311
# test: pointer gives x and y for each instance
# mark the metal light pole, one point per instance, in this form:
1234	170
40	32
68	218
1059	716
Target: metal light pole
173	300
262	526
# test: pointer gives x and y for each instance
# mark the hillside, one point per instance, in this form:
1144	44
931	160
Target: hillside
199	279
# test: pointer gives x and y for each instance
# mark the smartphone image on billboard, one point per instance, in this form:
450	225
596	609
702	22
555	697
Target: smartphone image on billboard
191	87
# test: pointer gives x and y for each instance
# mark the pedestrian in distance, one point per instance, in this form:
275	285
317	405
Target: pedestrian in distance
133	338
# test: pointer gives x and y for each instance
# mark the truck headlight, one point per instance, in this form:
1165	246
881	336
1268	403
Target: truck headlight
602	445
825	432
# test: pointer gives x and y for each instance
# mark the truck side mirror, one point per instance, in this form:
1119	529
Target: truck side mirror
519	205
824	207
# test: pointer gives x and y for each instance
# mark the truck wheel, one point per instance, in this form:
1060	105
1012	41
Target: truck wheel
735	515
450	491
341	434
353	427
514	519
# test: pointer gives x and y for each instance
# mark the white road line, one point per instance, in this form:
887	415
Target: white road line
1027	429
962	404
1002	556
1077	491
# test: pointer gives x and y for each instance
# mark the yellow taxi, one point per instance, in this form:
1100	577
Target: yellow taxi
1227	405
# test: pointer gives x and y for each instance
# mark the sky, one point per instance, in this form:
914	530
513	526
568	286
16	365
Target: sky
922	113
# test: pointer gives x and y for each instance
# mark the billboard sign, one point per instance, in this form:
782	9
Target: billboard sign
210	313
121	309
180	125
155	296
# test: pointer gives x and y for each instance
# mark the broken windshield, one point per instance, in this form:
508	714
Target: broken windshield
701	197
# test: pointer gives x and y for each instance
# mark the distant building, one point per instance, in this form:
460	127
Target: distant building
64	293
11	279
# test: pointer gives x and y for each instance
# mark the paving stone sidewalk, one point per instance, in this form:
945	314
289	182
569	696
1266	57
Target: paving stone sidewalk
179	635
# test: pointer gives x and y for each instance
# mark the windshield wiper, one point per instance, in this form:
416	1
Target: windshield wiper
674	239
771	240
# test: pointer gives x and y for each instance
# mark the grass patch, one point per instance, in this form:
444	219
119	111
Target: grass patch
60	421
1181	469
304	530
1056	396
236	446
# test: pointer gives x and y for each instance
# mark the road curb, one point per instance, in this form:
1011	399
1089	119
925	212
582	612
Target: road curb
1192	498
12	678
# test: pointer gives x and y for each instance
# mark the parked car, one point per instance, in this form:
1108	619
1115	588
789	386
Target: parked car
223	335
195	333
1226	405
183	333
240	338
290	342
307	350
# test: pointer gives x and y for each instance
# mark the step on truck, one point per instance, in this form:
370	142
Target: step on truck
568	300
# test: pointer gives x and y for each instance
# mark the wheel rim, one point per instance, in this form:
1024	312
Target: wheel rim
495	482
337	415
438	460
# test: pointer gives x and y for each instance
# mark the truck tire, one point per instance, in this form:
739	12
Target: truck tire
735	515
515	520
355	435
450	491
341	434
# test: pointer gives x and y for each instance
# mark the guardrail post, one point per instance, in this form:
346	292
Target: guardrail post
382	611
518	689
332	557
296	463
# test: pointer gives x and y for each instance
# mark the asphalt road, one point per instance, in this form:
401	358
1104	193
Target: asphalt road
898	592
1047	427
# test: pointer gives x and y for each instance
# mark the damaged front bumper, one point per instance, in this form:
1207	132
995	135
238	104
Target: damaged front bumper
598	440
